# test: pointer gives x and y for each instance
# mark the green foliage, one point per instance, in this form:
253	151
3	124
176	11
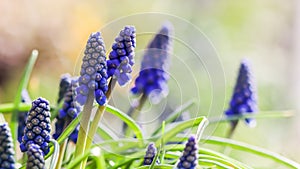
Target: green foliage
114	152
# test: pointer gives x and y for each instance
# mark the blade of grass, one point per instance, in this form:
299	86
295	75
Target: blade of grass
175	114
258	115
162	143
160	166
155	158
55	154
105	133
129	121
18	98
254	150
180	147
179	127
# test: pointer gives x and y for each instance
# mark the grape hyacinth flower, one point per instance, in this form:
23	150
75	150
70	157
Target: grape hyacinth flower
189	158
153	77
35	157
38	127
22	115
69	111
119	65
244	99
7	160
150	154
93	74
65	82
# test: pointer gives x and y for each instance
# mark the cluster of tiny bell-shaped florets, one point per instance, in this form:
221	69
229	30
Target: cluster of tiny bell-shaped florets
65	82
69	111
150	154
153	75
121	58
38	126
93	74
189	157
23	115
244	98
35	158
7	160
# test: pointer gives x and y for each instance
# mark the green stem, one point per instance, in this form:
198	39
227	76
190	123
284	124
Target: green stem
133	112
62	147
18	98
233	126
84	126
94	125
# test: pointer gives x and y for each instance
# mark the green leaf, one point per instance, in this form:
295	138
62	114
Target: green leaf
152	166
117	146
55	154
213	160
160	166
9	107
254	150
176	113
162	143
128	120
18	98
179	127
105	133
258	115
77	160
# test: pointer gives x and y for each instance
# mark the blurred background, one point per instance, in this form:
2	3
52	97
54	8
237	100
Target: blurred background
266	32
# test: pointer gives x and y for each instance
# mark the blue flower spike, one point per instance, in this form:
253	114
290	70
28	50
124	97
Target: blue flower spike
23	115
189	157
153	76
150	154
7	160
35	157
121	58
69	111
65	82
93	74
244	98
38	126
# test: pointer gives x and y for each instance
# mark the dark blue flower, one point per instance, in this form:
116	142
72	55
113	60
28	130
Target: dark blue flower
64	83
35	157
93	74
121	57
7	160
189	158
244	98
38	126
69	111
22	115
150	154
153	76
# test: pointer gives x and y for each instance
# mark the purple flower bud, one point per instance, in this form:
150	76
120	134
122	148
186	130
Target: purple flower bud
93	69
189	157
244	98
35	157
153	74
150	154
69	111
7	160
121	57
65	82
37	130
22	115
